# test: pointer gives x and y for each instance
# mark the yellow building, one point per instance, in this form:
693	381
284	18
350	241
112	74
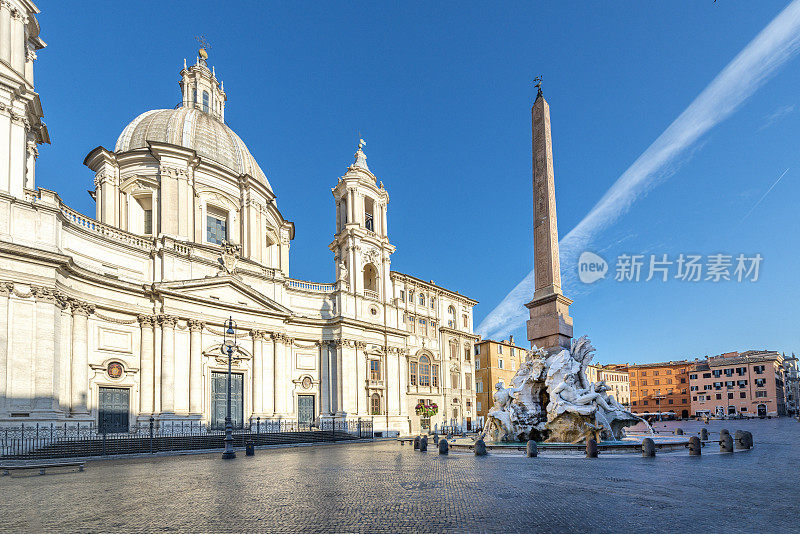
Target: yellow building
495	361
616	378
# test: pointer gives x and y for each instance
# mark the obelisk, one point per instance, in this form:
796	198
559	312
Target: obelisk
550	326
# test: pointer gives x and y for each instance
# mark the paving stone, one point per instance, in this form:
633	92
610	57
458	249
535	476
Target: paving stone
383	487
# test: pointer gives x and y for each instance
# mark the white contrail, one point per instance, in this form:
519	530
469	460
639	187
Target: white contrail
764	196
748	71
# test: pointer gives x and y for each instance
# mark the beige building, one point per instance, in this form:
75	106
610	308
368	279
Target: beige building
495	361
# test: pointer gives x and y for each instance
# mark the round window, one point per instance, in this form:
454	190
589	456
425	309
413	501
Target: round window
306	382
114	370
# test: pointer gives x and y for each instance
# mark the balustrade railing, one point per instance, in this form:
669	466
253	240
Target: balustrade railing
310	286
105	230
371	294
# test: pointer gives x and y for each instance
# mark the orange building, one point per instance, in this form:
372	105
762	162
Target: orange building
661	387
495	361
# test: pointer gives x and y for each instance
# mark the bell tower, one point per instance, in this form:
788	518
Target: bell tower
21	125
360	246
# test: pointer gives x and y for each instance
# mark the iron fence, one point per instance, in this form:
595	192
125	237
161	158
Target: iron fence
76	440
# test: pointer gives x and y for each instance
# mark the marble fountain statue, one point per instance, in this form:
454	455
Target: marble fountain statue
550	399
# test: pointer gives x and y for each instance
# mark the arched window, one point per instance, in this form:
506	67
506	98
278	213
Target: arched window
375	408
424	371
421	299
369	214
370	278
205	101
451	317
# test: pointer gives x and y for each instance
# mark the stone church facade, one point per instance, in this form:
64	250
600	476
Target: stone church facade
119	318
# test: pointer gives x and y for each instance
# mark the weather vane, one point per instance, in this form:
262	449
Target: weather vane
361	142
537	83
205	46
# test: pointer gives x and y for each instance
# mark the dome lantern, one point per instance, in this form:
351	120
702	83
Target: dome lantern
201	89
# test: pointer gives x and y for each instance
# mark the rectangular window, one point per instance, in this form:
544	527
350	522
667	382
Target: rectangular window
742	395
479	389
466	320
413	373
421	300
402	295
374	369
478	404
433	302
499	349
424	373
693	377
706	375
435	374
477	364
761	393
719	396
411	296
466	354
477	349
468	381
655	373
216	229
500	364
148	222
656	381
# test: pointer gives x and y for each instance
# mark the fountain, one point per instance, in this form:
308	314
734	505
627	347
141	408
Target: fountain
551	400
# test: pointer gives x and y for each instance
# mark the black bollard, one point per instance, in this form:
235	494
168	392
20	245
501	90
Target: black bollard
694	446
249	448
678	431
531	449
704	434
443	446
648	447
416	443
591	449
423	444
725	442
480	448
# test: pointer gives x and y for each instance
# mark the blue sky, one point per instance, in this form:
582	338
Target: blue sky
442	94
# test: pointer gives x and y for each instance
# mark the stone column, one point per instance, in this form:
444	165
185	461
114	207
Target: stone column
280	373
5	32
5	290
268	375
146	365
167	363
348	375
258	373
196	366
324	385
80	357
359	378
340	344
18	41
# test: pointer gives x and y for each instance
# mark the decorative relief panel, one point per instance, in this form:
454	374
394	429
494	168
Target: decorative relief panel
114	340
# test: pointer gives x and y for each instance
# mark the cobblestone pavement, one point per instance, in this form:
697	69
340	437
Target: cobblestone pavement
383	487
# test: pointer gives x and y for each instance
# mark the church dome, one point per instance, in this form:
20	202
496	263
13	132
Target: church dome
192	128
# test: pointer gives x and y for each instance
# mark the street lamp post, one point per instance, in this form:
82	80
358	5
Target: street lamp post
228	346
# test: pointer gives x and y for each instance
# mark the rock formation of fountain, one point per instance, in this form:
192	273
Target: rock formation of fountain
550	399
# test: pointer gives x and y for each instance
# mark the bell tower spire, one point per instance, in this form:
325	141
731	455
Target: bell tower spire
361	245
